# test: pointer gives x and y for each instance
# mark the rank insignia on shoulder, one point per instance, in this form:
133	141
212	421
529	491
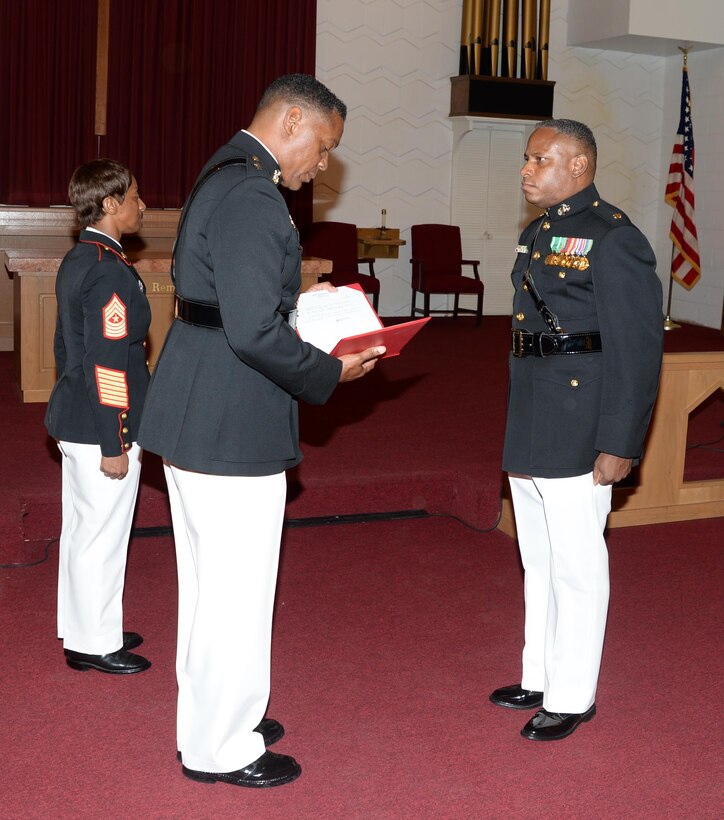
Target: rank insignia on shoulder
256	162
564	209
521	249
115	324
276	177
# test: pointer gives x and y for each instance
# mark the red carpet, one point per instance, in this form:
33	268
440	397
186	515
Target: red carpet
389	635
388	639
424	431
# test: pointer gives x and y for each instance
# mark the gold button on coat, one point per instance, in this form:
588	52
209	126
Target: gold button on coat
536	255
520	316
574	382
561	275
546	226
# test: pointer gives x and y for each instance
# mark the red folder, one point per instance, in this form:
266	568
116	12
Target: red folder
394	338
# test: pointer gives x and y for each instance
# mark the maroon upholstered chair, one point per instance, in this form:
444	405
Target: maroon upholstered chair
437	267
338	241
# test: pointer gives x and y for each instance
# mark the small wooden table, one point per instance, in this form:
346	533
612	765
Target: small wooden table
379	244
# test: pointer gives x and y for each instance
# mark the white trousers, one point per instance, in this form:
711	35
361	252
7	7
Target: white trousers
97	518
560	524
227	531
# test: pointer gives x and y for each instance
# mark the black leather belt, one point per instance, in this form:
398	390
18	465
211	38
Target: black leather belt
554	344
200	314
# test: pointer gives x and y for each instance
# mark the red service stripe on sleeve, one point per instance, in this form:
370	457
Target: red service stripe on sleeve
112	387
115	325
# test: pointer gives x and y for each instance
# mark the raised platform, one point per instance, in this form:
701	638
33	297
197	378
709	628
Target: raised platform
423	431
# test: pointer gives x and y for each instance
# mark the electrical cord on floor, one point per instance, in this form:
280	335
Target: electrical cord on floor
22	565
470	526
293	523
707	445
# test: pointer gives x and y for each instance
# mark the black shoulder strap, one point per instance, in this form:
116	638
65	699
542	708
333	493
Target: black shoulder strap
214	168
546	313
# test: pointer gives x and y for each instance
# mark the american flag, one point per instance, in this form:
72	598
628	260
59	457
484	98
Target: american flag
685	264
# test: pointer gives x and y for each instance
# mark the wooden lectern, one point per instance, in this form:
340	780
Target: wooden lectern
33	274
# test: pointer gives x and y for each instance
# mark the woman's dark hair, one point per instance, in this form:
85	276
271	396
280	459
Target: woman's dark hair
92	182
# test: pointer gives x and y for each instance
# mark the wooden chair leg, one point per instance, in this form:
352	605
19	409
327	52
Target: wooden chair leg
376	302
413	304
456	305
479	312
427	305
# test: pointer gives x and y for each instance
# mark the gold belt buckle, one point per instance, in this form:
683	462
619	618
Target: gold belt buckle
518	344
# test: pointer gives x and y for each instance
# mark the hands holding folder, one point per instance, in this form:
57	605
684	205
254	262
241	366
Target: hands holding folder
341	322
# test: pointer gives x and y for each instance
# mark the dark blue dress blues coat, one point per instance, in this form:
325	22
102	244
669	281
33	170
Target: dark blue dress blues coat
100	356
564	410
224	402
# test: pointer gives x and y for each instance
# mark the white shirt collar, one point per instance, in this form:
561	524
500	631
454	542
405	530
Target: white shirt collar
95	230
266	148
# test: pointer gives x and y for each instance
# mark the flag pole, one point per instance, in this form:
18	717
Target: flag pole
669	324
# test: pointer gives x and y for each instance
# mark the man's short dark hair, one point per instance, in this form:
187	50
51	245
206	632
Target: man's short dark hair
578	131
92	182
305	90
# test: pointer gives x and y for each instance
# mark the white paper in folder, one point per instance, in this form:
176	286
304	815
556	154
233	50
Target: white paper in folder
343	321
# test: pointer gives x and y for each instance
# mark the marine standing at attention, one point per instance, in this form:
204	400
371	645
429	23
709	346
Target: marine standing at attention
94	413
587	345
222	412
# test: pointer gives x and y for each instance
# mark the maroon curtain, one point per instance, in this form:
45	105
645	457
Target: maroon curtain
191	77
47	88
183	77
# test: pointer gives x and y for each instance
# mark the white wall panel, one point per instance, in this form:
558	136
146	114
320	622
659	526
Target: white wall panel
391	61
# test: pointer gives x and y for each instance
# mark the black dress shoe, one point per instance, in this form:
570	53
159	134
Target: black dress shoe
131	640
545	725
271	769
121	662
515	697
271	730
